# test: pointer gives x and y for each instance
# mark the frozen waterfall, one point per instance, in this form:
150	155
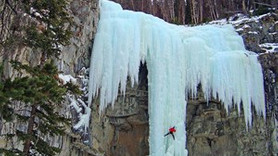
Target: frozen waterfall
178	59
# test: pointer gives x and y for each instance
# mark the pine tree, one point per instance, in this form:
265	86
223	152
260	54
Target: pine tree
42	95
38	89
47	24
51	29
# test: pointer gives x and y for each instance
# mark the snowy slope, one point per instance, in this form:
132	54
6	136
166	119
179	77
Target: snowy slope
178	59
261	31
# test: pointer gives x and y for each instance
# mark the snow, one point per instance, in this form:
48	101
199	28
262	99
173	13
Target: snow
78	104
236	20
84	118
239	19
246	26
274	33
253	32
67	78
269	47
178	59
34	11
239	29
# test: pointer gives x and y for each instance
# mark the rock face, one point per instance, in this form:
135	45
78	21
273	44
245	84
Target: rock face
76	55
123	130
210	130
213	132
73	58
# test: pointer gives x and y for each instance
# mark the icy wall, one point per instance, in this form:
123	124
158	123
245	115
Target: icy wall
178	59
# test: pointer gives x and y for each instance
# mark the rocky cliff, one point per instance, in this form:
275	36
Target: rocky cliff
210	130
123	130
73	61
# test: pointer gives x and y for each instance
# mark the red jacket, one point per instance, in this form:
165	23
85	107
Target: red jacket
172	130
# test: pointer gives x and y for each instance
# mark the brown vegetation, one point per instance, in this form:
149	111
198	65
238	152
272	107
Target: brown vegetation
194	11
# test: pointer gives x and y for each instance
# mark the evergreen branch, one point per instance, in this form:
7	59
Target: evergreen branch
23	136
39	89
22	118
52	130
43	147
10	152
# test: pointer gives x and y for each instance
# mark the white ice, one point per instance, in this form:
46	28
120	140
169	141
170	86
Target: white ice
178	59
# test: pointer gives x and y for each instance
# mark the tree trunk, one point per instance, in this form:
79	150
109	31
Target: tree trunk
244	7
31	123
201	9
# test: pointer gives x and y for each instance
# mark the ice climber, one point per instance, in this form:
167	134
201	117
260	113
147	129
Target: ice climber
172	130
